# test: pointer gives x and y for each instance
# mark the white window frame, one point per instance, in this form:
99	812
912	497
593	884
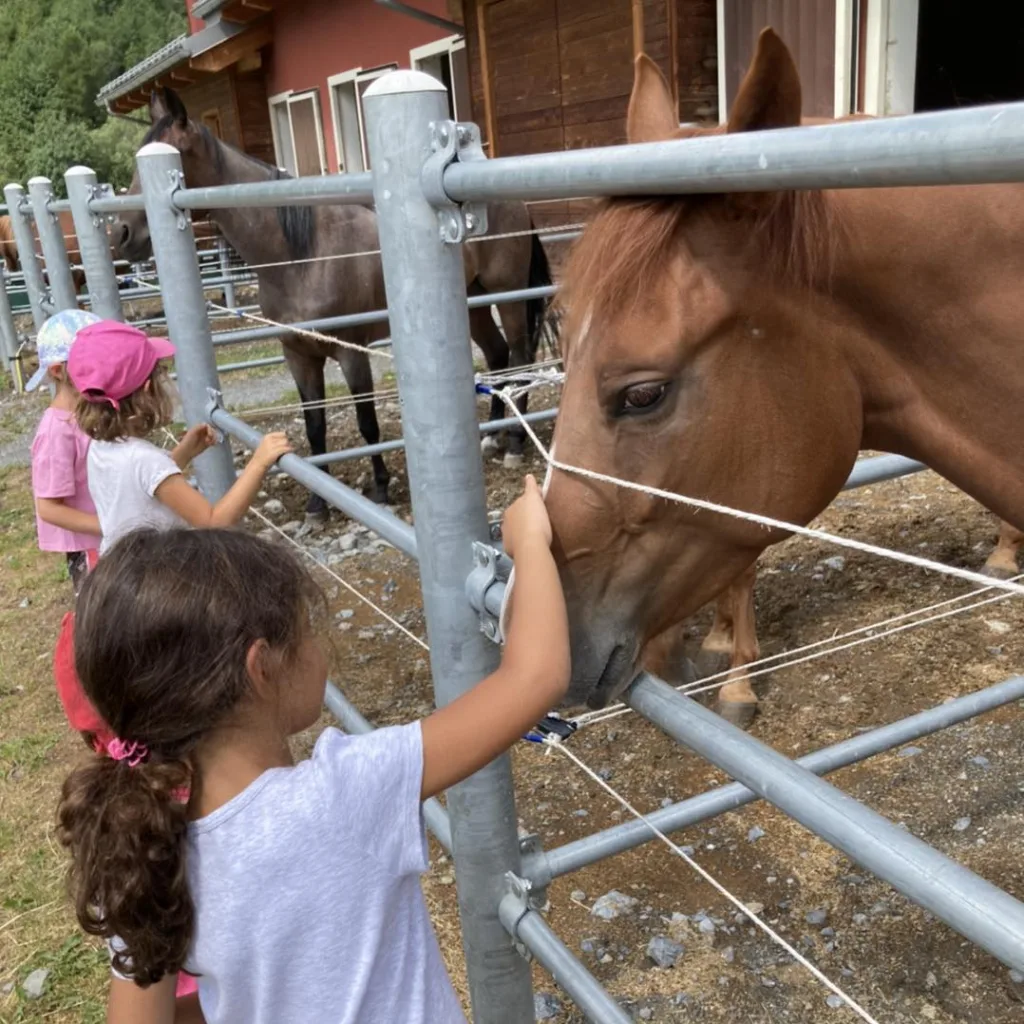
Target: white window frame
344	78
442	47
290	98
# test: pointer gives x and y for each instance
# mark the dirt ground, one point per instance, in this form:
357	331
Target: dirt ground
960	790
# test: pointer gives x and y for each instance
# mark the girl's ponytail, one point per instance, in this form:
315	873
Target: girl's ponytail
125	827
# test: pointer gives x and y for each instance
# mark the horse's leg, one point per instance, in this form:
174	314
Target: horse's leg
737	702
484	331
359	377
513	320
731	644
1002	563
308	373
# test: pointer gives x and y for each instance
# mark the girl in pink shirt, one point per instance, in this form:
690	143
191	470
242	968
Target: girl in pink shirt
65	515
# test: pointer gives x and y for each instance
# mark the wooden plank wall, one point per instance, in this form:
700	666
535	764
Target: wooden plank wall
254	114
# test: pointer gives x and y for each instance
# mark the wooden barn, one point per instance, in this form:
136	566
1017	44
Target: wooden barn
283	80
556	74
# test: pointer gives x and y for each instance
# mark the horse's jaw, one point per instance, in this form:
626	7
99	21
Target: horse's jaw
605	660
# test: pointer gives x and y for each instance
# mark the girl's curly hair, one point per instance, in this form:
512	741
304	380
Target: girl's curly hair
138	415
163	627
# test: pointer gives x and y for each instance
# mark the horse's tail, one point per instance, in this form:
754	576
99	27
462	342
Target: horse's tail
539	277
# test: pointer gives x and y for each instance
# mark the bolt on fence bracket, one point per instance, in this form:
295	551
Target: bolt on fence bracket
101	191
531	847
488	569
520	888
451	142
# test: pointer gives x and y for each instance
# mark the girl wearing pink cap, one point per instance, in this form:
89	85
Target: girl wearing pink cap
125	397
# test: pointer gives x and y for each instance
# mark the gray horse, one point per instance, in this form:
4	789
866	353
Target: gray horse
336	287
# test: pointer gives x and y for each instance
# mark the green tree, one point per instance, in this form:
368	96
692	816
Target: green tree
54	57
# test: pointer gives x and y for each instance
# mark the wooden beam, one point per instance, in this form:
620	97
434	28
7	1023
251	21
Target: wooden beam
672	20
250	62
485	74
638	28
185	76
234	49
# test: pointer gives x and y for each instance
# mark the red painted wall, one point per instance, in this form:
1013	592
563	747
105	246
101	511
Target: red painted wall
194	24
314	39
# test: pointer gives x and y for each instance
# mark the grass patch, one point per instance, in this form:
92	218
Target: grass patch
37	926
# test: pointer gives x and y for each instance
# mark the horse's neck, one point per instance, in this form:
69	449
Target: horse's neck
253	231
927	289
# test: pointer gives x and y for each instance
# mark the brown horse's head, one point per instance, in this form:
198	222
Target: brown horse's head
170	123
700	359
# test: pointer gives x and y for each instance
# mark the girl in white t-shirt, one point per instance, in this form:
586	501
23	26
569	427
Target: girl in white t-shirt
116	369
291	891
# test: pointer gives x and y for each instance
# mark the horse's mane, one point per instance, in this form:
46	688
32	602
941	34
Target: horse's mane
297	223
628	239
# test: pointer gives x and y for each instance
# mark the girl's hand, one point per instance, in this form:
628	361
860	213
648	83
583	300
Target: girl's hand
271	448
526	520
198	438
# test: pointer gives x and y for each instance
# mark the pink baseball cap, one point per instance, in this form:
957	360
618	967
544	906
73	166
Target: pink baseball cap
110	360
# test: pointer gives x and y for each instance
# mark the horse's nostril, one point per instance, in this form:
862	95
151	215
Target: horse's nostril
126	234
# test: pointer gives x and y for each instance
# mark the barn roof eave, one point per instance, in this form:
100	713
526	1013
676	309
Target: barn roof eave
157	63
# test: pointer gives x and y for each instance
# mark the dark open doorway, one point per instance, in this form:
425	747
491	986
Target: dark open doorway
968	54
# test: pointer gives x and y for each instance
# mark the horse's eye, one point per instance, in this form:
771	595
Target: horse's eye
643	397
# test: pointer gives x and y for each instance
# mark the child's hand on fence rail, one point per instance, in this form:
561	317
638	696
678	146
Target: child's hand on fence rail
271	448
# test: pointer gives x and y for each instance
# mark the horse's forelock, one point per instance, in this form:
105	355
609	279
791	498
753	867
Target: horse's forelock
629	240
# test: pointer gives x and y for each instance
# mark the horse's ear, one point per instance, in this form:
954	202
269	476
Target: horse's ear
769	95
652	115
165	102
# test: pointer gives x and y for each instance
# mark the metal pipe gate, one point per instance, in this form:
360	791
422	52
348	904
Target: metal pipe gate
426	183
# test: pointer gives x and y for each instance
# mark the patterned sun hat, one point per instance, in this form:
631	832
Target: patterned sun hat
53	343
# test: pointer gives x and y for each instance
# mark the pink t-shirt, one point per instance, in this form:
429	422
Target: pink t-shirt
59	451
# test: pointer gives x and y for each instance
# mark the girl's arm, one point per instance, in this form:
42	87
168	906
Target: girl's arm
465	735
195	441
129	1004
188	503
57	512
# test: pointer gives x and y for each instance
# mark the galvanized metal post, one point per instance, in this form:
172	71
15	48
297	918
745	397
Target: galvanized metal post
8	333
25	239
51	238
94	244
174	249
224	263
430	327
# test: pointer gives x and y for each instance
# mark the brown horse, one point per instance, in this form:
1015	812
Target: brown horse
743	349
321	288
12	260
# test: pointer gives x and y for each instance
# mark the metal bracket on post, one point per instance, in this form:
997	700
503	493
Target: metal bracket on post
452	141
488	568
177	179
530	849
103	190
520	888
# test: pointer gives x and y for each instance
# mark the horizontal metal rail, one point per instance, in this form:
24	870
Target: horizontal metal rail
374	316
434	813
540	868
384	523
529	928
975	908
976	145
133	203
324	189
488	427
881	467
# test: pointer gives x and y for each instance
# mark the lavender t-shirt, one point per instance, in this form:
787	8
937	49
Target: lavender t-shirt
307	893
59	457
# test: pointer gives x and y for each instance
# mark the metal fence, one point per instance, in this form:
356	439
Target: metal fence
425	186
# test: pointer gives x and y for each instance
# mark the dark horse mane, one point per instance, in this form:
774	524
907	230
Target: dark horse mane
297	223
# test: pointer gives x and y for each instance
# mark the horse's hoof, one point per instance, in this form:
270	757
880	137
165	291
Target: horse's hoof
489	446
737	712
513	460
711	663
999	572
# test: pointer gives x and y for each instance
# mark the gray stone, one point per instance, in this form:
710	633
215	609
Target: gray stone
962	824
836	563
612	905
274	507
755	833
35	984
664	951
7	988
707	926
1016	977
291	528
981	761
578	895
366	634
545	1006
683	999
581	813
24	602
833	1001
589	945
860	918
910	752
345	613
819	916
828	933
728	954
646	1013
346	542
